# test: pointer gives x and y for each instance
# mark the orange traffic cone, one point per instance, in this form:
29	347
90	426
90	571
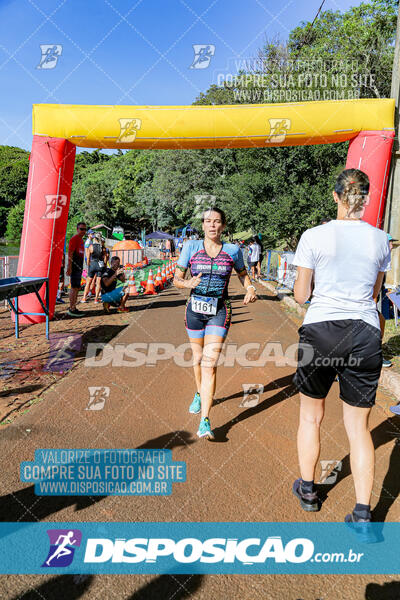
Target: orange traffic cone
158	282
163	276
150	291
143	284
132	291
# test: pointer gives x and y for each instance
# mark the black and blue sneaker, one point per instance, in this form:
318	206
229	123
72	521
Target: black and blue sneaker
308	500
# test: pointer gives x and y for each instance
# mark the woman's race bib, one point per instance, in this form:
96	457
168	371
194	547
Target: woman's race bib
204	305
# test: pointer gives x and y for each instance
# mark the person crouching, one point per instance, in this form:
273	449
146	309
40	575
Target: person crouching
111	295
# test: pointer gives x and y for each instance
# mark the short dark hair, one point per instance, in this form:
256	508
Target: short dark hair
325	220
81	223
217	210
116	258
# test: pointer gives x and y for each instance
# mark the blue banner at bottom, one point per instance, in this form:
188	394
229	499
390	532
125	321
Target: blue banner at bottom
204	548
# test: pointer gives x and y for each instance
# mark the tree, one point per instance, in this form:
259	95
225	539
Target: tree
15	221
14	167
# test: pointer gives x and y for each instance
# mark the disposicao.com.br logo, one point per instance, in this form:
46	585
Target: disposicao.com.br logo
247	551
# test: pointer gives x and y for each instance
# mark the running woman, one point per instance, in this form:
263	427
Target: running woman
208	309
347	258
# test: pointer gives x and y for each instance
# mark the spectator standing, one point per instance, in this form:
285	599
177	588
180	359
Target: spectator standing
254	257
106	252
96	264
168	248
76	253
88	243
260	258
61	282
341	334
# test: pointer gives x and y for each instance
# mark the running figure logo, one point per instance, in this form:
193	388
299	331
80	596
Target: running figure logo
203	53
50	55
98	397
278	129
329	471
54	205
63	543
63	348
128	129
251	394
203	201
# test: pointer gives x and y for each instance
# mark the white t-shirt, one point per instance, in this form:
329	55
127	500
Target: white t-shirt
346	257
255	252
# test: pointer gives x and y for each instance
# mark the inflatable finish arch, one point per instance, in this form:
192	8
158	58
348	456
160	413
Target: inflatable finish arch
58	129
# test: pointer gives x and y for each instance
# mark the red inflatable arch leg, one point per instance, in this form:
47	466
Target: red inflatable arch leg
48	195
371	151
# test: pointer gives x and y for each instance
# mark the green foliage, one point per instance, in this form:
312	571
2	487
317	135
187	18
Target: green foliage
14	167
15	221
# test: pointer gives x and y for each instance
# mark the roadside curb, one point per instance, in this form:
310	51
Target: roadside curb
389	379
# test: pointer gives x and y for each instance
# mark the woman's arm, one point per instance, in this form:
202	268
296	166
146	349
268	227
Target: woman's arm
180	282
302	285
251	295
378	285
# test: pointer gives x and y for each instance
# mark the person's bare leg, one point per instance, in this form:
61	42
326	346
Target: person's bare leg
196	345
98	289
93	286
211	352
73	296
123	300
308	434
87	288
362	453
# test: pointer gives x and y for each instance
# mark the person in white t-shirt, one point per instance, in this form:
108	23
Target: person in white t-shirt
340	335
255	253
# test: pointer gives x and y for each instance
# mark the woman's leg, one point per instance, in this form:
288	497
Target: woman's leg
362	453
87	288
196	345
308	434
98	289
211	352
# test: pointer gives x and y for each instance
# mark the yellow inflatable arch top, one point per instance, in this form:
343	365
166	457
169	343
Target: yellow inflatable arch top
224	126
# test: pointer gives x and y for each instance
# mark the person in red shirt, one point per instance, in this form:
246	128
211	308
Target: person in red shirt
76	253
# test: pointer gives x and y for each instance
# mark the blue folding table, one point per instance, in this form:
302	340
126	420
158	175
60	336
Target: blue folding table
13	287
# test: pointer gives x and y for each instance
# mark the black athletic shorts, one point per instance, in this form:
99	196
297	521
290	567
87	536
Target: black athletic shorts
95	269
76	278
350	349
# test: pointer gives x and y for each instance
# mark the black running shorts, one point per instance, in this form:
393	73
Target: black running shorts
350	349
94	269
76	277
